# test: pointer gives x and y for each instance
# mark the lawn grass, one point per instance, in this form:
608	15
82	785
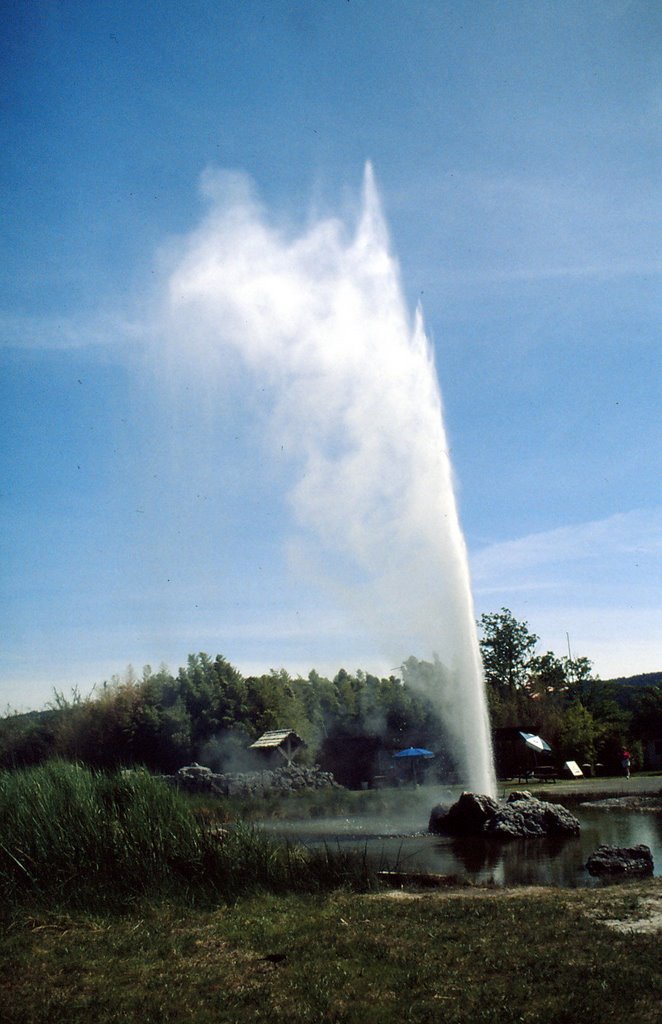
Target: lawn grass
479	955
121	901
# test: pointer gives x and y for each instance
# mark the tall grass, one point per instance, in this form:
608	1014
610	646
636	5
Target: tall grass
74	835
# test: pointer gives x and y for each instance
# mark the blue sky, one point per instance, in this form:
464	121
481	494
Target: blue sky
516	148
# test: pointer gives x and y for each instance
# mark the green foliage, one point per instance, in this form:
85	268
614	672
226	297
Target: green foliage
70	830
642	679
209	712
77	837
28	738
578	735
506	646
545	675
647	718
582	717
214	694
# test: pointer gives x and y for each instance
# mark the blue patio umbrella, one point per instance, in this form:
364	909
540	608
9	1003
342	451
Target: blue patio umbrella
412	755
414	752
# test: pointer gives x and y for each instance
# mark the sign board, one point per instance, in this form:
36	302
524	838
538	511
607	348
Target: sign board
573	768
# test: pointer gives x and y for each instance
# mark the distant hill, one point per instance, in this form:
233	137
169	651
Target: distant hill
644	679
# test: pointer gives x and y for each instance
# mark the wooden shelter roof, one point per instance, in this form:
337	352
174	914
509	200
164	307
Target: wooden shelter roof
276	737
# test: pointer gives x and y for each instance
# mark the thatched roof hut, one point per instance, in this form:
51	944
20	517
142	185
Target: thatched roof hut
285	741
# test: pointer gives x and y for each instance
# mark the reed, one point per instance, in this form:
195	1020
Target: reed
80	837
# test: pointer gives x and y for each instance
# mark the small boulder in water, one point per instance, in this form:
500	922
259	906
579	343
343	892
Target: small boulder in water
621	860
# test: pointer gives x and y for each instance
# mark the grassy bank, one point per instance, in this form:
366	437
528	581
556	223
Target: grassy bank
122	901
479	955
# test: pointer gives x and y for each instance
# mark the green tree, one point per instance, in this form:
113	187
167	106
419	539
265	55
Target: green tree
214	693
647	718
507	648
578	735
546	676
578	673
646	722
275	701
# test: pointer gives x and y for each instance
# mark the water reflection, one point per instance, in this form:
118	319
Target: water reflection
523	862
553	861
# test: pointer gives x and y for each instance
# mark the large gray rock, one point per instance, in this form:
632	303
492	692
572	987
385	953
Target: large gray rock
466	817
522	816
526	816
621	860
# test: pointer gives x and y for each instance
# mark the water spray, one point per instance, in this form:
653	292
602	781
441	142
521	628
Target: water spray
350	391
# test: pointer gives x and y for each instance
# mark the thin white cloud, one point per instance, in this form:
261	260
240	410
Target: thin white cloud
619	640
500	228
63	333
605	270
599	582
629	538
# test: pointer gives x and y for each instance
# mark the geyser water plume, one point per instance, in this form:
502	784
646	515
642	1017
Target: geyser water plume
349	387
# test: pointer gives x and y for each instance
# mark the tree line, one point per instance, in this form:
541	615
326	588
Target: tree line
582	717
209	712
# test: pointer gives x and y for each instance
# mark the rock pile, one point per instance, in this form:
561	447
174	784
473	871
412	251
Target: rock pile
290	778
522	816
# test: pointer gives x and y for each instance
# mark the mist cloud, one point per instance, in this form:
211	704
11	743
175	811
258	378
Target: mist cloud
348	392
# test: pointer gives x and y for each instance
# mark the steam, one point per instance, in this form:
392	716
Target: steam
229	752
350	395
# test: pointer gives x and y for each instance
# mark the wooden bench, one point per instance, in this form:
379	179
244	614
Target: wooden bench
545	773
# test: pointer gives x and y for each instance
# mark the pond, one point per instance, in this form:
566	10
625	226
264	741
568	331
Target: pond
556	862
